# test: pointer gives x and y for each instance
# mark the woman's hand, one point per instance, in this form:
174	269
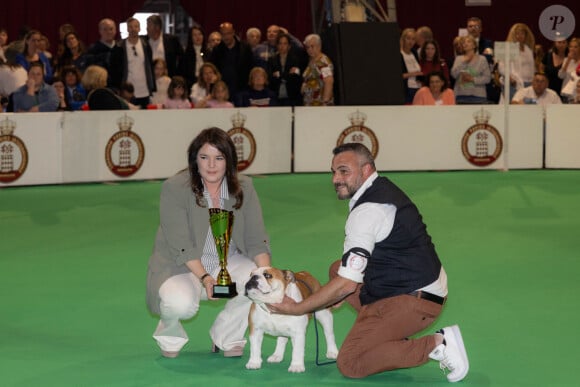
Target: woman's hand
208	282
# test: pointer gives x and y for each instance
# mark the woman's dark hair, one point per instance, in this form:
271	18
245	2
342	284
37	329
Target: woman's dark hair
71	69
423	55
189	46
219	139
27	38
438	74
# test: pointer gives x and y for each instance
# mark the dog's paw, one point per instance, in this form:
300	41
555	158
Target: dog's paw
274	358
332	353
253	364
296	368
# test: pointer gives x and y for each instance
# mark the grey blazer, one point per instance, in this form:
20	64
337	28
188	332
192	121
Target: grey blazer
183	230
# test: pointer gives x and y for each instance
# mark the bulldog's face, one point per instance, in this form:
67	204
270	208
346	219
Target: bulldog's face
268	285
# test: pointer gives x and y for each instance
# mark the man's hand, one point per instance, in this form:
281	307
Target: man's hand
287	306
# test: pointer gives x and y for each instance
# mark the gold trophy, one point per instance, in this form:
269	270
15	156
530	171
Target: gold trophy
221	222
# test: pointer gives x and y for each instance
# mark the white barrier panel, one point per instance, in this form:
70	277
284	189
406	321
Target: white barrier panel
32	153
421	137
92	147
563	136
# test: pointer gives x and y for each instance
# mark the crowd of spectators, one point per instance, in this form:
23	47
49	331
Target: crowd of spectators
280	70
475	76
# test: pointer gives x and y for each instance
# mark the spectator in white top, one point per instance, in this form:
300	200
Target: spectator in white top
138	63
538	93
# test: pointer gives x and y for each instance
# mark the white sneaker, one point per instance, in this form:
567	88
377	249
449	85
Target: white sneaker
451	354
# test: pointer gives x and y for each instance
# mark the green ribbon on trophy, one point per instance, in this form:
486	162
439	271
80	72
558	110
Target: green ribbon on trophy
221	222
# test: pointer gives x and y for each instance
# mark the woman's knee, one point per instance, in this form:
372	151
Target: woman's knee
179	305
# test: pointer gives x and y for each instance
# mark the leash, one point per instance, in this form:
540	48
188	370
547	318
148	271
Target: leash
318	362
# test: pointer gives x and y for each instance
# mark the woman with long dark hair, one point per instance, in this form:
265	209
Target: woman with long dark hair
184	265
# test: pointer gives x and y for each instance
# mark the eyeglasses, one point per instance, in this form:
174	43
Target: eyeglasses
134	50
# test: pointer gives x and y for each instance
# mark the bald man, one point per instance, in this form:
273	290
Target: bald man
233	58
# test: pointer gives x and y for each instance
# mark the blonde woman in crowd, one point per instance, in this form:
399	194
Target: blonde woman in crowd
523	67
162	82
410	64
471	73
201	90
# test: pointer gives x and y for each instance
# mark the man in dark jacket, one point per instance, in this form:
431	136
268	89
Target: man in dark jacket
164	46
233	58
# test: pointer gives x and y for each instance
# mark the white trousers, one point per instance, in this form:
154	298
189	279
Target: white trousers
180	296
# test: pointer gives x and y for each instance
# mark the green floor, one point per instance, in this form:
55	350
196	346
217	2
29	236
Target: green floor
73	262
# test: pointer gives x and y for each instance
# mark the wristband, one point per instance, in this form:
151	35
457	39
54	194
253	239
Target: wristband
203	277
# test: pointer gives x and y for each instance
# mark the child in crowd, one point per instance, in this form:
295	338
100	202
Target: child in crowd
58	85
220	95
127	93
75	93
162	82
176	95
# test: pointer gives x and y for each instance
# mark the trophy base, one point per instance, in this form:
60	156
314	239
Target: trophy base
225	291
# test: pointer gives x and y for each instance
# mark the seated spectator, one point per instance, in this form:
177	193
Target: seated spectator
471	73
127	93
162	82
58	85
430	60
284	73
258	95
538	93
577	97
100	97
176	94
553	61
12	74
35	95
75	93
219	97
32	53
568	72
437	91
201	90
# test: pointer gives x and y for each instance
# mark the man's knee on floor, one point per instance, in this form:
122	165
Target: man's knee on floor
349	366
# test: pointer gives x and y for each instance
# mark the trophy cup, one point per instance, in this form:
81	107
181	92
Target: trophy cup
221	222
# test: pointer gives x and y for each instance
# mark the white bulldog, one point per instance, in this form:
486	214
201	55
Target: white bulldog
268	285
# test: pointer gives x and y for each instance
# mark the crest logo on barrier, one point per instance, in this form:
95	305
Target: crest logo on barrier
13	153
124	152
357	132
482	143
243	140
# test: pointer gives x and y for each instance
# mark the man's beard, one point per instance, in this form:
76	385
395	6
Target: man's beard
350	191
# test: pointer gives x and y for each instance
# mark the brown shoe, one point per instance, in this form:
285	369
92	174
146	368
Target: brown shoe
170	354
